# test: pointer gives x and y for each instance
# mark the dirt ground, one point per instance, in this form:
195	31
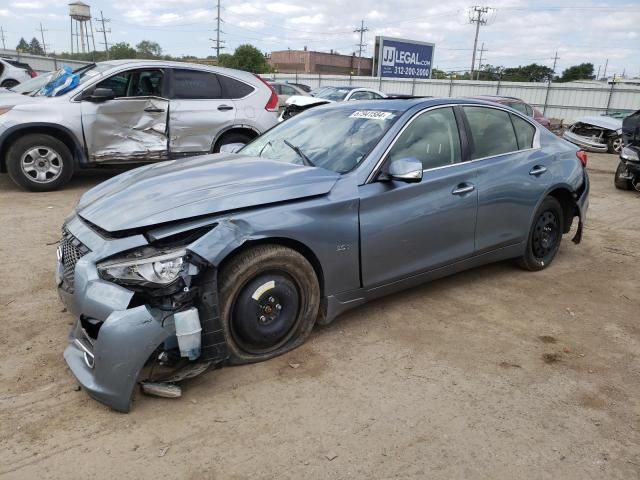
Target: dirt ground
492	373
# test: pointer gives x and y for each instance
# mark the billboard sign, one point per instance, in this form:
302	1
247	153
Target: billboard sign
399	58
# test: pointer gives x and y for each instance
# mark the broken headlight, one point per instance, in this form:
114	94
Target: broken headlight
159	269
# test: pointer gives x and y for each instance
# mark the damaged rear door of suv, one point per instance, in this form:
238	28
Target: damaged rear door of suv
124	118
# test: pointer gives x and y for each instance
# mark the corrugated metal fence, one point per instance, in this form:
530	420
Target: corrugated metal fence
567	101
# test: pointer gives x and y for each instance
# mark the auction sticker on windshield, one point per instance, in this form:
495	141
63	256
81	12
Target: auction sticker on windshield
373	114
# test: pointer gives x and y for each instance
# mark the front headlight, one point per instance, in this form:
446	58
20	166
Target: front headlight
629	153
161	269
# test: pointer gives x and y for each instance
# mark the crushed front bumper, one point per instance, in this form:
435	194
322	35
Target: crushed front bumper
586	143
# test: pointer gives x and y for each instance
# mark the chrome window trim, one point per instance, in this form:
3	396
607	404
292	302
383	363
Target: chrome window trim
536	137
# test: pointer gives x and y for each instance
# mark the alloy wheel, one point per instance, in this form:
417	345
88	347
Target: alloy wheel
41	164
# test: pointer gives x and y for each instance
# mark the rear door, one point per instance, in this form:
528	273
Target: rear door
199	111
133	126
409	228
513	174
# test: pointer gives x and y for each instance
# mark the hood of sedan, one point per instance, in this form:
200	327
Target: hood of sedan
205	185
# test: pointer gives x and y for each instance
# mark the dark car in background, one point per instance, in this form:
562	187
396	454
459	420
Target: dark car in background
519	105
232	258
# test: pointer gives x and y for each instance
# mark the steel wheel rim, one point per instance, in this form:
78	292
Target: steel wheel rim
41	164
267	320
545	235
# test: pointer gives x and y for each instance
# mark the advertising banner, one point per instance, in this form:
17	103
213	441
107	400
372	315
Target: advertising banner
398	58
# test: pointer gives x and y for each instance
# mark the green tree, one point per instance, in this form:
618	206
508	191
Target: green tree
584	71
527	73
121	50
489	73
35	47
23	46
148	49
246	57
438	74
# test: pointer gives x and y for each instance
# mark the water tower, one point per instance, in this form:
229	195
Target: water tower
81	27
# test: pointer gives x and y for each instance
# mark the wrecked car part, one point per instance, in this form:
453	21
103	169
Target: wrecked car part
597	134
187	324
165	390
161	269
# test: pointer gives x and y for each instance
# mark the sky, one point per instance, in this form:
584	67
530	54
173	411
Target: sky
518	32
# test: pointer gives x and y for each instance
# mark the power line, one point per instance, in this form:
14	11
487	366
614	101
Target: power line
478	16
104	32
360	45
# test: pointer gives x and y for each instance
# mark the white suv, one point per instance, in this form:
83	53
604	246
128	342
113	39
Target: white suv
12	72
130	111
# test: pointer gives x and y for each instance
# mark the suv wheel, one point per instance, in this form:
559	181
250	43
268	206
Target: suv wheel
10	83
39	162
269	300
231	137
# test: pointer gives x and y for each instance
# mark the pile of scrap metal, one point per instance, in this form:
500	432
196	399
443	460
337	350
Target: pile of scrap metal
597	134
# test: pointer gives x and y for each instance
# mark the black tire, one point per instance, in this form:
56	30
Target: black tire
231	137
10	83
615	144
621	183
26	168
261	319
544	237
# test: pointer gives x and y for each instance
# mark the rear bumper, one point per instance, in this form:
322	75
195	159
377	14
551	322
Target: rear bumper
585	142
582	204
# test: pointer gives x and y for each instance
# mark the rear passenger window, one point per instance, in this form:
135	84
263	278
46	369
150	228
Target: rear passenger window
431	138
194	84
524	132
491	131
233	89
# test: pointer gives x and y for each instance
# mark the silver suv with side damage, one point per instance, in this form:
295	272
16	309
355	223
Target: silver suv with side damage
128	111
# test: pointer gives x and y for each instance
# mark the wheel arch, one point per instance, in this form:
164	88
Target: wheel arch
567	201
243	129
293	244
57	131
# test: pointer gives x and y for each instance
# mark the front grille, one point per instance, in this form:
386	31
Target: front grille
72	250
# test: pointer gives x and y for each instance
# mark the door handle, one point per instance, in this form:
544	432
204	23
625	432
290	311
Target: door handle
463	188
537	170
225	108
154	110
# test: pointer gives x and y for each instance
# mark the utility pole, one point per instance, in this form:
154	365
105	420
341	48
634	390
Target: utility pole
4	47
546	97
360	45
44	46
605	69
104	32
217	41
480	61
555	62
478	17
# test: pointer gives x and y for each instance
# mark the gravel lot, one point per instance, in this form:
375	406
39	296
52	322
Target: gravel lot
492	373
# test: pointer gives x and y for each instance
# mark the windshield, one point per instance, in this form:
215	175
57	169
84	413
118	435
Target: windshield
84	75
337	139
33	84
335	94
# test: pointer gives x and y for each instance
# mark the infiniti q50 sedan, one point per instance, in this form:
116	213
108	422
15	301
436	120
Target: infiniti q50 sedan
232	258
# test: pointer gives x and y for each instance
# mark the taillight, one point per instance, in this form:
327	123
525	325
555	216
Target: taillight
272	104
33	73
582	156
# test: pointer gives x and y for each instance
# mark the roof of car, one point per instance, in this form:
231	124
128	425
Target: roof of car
175	64
404	104
496	98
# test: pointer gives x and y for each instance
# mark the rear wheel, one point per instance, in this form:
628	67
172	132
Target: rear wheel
619	180
269	299
39	162
614	144
544	237
10	83
231	137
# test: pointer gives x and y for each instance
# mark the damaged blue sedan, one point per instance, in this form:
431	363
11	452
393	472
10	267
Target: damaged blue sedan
232	258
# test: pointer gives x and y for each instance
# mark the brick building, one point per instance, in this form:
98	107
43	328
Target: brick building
307	61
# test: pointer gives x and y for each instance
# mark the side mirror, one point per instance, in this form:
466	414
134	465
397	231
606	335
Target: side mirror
405	170
231	147
101	95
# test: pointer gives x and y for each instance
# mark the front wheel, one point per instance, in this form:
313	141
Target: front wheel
230	138
620	181
544	237
269	300
615	144
10	83
39	162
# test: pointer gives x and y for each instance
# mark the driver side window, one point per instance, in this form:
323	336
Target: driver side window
432	138
134	83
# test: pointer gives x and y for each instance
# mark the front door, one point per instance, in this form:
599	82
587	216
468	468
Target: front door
133	126
409	228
